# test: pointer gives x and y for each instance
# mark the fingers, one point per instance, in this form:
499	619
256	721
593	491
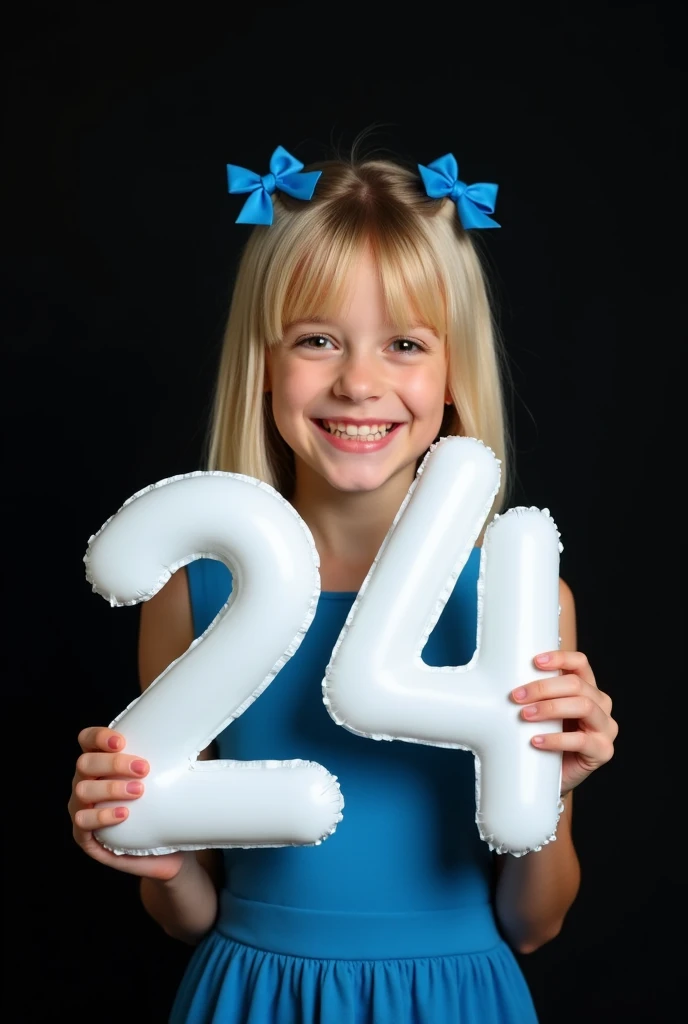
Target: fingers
570	695
566	685
100	766
95	785
98	738
89	819
582	708
595	749
89	791
103	777
566	661
96	791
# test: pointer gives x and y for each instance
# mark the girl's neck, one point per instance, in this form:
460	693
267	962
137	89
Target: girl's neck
348	527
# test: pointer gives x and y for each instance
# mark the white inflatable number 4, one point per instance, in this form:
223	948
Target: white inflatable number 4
377	684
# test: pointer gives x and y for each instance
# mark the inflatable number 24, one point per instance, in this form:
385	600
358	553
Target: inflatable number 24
376	683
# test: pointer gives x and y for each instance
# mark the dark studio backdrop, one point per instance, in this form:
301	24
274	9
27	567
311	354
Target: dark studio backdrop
119	246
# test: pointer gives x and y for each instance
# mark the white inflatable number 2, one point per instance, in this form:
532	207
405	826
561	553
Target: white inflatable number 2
377	684
190	804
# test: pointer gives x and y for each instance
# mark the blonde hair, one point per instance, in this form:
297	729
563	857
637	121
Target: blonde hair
298	267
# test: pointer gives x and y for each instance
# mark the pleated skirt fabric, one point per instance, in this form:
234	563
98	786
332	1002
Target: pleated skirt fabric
233	980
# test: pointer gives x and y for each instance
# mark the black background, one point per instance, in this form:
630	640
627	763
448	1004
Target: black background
119	246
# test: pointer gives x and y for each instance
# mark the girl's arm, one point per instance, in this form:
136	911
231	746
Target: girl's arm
184	906
535	892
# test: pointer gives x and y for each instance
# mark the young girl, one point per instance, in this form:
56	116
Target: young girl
359	332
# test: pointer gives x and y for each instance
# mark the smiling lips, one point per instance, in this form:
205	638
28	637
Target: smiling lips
357	436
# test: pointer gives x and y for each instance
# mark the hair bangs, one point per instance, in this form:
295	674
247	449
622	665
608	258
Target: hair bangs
310	276
413	287
310	273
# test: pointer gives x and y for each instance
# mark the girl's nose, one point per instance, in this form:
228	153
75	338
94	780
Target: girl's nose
360	378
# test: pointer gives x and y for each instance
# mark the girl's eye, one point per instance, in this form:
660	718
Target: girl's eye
317	342
406	345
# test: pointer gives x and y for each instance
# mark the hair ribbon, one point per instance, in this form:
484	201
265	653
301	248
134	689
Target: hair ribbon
473	202
286	175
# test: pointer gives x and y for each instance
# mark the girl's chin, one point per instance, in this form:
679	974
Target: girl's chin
370	482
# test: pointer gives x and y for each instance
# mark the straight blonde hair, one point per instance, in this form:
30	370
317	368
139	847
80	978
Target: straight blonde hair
298	268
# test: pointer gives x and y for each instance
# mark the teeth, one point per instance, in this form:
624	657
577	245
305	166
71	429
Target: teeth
370	431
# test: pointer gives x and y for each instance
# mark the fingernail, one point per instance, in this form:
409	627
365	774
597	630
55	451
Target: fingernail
542	659
520	694
538	740
134	787
114	742
120	812
140	767
530	711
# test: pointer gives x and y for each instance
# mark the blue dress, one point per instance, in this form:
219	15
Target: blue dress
389	920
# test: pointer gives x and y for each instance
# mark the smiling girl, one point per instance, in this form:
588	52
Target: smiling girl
359	332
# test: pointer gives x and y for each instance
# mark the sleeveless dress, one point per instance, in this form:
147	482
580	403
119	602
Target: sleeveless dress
389	920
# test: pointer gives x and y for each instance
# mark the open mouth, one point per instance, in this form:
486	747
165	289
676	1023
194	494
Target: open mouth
365	432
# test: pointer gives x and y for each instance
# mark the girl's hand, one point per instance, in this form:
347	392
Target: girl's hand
589	729
104	774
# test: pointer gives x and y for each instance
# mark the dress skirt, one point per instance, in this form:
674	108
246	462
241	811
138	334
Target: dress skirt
429	967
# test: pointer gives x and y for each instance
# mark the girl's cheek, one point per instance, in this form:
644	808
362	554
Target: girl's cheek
426	393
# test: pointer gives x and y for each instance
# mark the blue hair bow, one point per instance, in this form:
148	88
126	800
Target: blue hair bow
474	202
285	176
